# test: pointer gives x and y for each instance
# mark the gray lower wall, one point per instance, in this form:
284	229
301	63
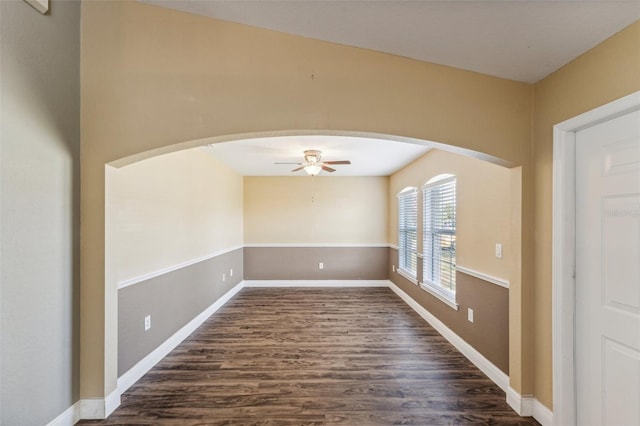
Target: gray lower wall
489	332
301	263
39	214
172	300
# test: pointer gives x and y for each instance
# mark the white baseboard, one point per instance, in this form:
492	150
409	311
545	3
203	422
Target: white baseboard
316	283
140	369
542	414
92	408
69	417
520	404
528	406
111	402
486	366
88	409
99	408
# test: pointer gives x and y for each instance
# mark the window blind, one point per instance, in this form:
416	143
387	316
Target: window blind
408	231
439	262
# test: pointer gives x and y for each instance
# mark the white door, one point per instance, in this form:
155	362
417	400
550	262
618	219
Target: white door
607	364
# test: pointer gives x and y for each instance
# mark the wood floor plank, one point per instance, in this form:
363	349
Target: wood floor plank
300	356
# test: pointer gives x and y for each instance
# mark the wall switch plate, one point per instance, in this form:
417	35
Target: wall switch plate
321	265
224	277
499	251
147	322
230	272
393	268
470	314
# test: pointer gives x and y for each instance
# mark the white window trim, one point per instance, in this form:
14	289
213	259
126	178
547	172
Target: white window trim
440	293
410	275
434	289
442	179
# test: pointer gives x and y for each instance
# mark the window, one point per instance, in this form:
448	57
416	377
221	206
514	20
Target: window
408	232
439	237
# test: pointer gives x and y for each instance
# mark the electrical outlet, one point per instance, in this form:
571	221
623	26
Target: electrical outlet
470	314
147	323
230	272
499	251
224	277
321	265
393	268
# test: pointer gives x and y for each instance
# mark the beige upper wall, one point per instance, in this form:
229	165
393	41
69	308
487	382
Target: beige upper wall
165	77
171	209
605	73
153	77
316	210
483	195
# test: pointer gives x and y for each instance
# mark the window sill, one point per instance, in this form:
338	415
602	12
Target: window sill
444	298
406	274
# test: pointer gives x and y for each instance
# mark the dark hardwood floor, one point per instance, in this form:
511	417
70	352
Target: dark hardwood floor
300	356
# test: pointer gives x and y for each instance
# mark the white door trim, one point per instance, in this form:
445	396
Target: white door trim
563	251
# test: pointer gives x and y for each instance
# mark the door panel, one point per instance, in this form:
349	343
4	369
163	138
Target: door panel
608	272
622	384
620	252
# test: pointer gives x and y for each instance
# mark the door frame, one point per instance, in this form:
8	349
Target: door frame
564	250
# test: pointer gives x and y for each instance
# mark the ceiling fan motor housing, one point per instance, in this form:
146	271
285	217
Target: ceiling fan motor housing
312	156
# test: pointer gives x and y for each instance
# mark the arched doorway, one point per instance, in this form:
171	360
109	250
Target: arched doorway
110	272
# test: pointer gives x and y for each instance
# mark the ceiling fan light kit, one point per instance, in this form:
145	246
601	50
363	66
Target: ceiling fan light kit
312	169
313	165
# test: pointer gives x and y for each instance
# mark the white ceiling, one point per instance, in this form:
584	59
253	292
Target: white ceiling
369	157
522	40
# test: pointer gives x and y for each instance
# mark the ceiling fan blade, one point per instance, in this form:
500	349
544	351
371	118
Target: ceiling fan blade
299	168
328	169
287	163
338	162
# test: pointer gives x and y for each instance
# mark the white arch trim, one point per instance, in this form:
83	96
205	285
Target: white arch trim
267	134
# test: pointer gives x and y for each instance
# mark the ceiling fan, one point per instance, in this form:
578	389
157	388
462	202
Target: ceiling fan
313	163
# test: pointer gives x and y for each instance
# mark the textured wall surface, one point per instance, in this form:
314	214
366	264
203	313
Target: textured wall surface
40	213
